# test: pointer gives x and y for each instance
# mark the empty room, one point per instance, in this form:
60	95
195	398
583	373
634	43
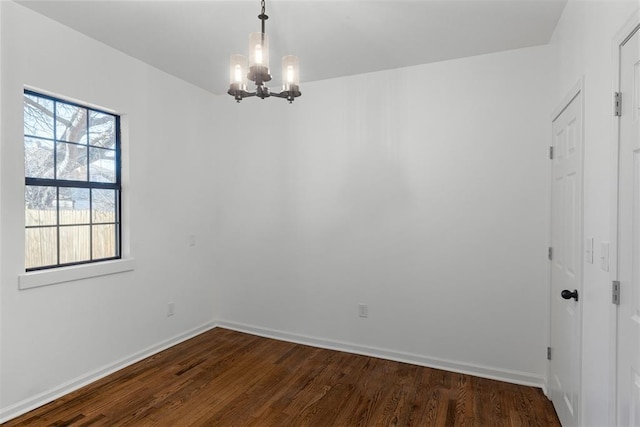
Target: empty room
320	212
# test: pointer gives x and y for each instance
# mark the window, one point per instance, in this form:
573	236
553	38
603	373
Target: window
72	183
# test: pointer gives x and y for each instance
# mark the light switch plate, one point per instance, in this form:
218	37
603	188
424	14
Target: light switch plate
588	251
604	256
363	310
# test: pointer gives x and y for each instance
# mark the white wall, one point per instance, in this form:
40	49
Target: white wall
421	192
59	335
583	48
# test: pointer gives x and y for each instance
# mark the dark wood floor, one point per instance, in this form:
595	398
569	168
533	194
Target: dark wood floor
226	378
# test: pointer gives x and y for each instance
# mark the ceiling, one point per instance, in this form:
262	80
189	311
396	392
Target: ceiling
333	38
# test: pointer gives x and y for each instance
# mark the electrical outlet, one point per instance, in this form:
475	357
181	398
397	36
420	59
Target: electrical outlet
192	239
363	310
171	309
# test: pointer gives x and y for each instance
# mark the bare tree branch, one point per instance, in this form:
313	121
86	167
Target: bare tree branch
45	111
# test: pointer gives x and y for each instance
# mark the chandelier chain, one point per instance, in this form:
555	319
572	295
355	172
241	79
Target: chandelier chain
263	16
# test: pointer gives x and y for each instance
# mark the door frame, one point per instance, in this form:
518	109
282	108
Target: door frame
628	29
577	90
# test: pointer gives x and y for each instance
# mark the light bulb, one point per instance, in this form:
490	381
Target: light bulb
259	50
290	74
238	70
258	56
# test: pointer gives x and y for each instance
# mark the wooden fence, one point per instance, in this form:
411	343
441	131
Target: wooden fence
79	241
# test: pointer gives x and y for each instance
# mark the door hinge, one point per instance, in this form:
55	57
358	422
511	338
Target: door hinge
615	292
617	104
551	153
548	353
550	253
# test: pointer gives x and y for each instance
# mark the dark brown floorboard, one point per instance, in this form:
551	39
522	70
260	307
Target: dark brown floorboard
227	378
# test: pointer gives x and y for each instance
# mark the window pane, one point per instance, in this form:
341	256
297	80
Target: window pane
71	162
74	205
74	244
103	165
40	247
38	158
40	205
102	130
104	241
71	123
104	206
38	116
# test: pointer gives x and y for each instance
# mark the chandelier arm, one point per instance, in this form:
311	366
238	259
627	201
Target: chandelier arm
289	95
238	93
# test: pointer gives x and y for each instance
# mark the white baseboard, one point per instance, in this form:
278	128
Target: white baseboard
43	398
545	390
514	377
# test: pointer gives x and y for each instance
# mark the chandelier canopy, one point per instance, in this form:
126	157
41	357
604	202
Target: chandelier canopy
256	69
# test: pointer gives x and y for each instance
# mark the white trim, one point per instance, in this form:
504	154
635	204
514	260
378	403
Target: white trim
43	398
515	377
545	389
623	34
1	174
34	279
65	98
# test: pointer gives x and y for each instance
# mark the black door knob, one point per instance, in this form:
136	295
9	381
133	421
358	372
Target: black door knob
566	294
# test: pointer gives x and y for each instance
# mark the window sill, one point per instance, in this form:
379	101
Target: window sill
35	279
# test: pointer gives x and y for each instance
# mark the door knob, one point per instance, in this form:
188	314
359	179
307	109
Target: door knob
566	294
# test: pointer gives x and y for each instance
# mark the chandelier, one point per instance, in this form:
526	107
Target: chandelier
257	69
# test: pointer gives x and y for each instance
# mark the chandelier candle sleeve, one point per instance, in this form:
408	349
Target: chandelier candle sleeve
239	68
259	59
290	73
259	49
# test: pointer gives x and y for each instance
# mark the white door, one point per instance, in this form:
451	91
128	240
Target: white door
628	238
566	263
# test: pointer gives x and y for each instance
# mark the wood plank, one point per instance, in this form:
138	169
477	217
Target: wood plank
228	378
